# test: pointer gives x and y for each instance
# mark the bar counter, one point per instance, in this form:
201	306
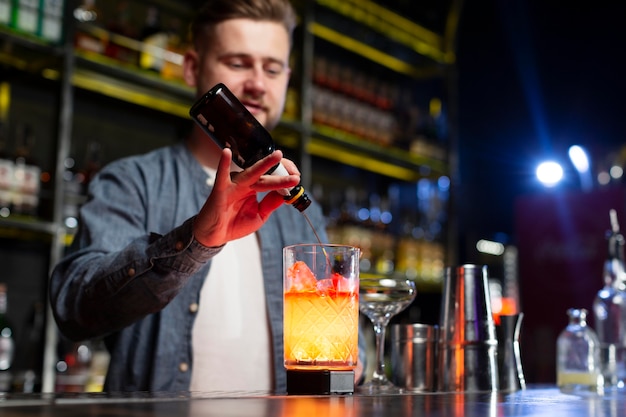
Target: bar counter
533	401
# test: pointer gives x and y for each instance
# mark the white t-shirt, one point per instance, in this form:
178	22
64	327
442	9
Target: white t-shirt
231	336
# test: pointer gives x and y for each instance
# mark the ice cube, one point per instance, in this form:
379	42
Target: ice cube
326	286
343	284
301	278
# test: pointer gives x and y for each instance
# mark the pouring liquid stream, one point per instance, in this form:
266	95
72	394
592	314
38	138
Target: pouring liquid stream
330	265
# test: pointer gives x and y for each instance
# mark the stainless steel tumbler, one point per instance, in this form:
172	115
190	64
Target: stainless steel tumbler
467	348
413	352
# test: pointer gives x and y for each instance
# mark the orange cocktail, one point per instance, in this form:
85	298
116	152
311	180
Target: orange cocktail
321	315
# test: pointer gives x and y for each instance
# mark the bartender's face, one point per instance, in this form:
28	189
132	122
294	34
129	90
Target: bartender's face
251	58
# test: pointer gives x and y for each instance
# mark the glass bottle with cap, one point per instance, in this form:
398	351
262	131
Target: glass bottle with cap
229	123
609	310
578	365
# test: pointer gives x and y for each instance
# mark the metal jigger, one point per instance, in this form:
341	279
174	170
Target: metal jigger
509	358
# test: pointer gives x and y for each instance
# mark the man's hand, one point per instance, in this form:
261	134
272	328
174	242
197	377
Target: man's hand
232	210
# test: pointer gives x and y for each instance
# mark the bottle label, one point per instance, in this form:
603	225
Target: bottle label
26	184
6	174
52	20
31	179
6	182
28	15
5	12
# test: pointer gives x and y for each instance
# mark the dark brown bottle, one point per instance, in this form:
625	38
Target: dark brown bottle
227	121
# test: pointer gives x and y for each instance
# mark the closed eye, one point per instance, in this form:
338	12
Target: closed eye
274	69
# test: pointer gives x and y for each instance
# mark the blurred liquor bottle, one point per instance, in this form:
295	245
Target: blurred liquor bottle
609	308
172	68
123	47
26	173
6	175
73	367
51	27
25	16
89	20
7	344
155	41
352	101
5	12
577	356
28	363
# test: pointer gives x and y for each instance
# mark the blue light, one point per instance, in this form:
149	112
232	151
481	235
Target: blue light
549	173
443	183
363	214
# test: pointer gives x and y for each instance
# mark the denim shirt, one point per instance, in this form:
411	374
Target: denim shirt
134	272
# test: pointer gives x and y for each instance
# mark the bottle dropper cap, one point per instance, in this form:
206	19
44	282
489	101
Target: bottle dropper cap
298	198
295	196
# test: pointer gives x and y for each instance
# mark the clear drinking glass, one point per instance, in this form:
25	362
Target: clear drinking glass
380	299
321	307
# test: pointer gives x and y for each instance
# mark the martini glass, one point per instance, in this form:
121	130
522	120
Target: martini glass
380	299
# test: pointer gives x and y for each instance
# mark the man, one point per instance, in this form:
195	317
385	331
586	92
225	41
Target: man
178	262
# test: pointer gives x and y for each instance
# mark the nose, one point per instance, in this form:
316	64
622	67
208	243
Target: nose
255	81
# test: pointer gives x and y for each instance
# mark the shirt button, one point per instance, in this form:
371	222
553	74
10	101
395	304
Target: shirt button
193	307
179	246
183	367
131	272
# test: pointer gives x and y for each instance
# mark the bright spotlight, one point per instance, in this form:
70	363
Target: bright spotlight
549	173
579	158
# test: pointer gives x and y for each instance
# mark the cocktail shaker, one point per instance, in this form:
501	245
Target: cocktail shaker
467	348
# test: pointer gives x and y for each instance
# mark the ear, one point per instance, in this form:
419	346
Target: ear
191	66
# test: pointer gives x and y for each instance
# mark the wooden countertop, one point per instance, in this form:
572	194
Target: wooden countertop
534	401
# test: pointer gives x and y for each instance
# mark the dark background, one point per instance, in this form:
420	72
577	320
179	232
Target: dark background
534	77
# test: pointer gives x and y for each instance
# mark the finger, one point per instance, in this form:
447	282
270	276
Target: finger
222	176
275	182
290	166
254	172
269	203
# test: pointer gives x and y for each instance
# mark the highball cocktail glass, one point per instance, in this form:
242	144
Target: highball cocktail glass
321	307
